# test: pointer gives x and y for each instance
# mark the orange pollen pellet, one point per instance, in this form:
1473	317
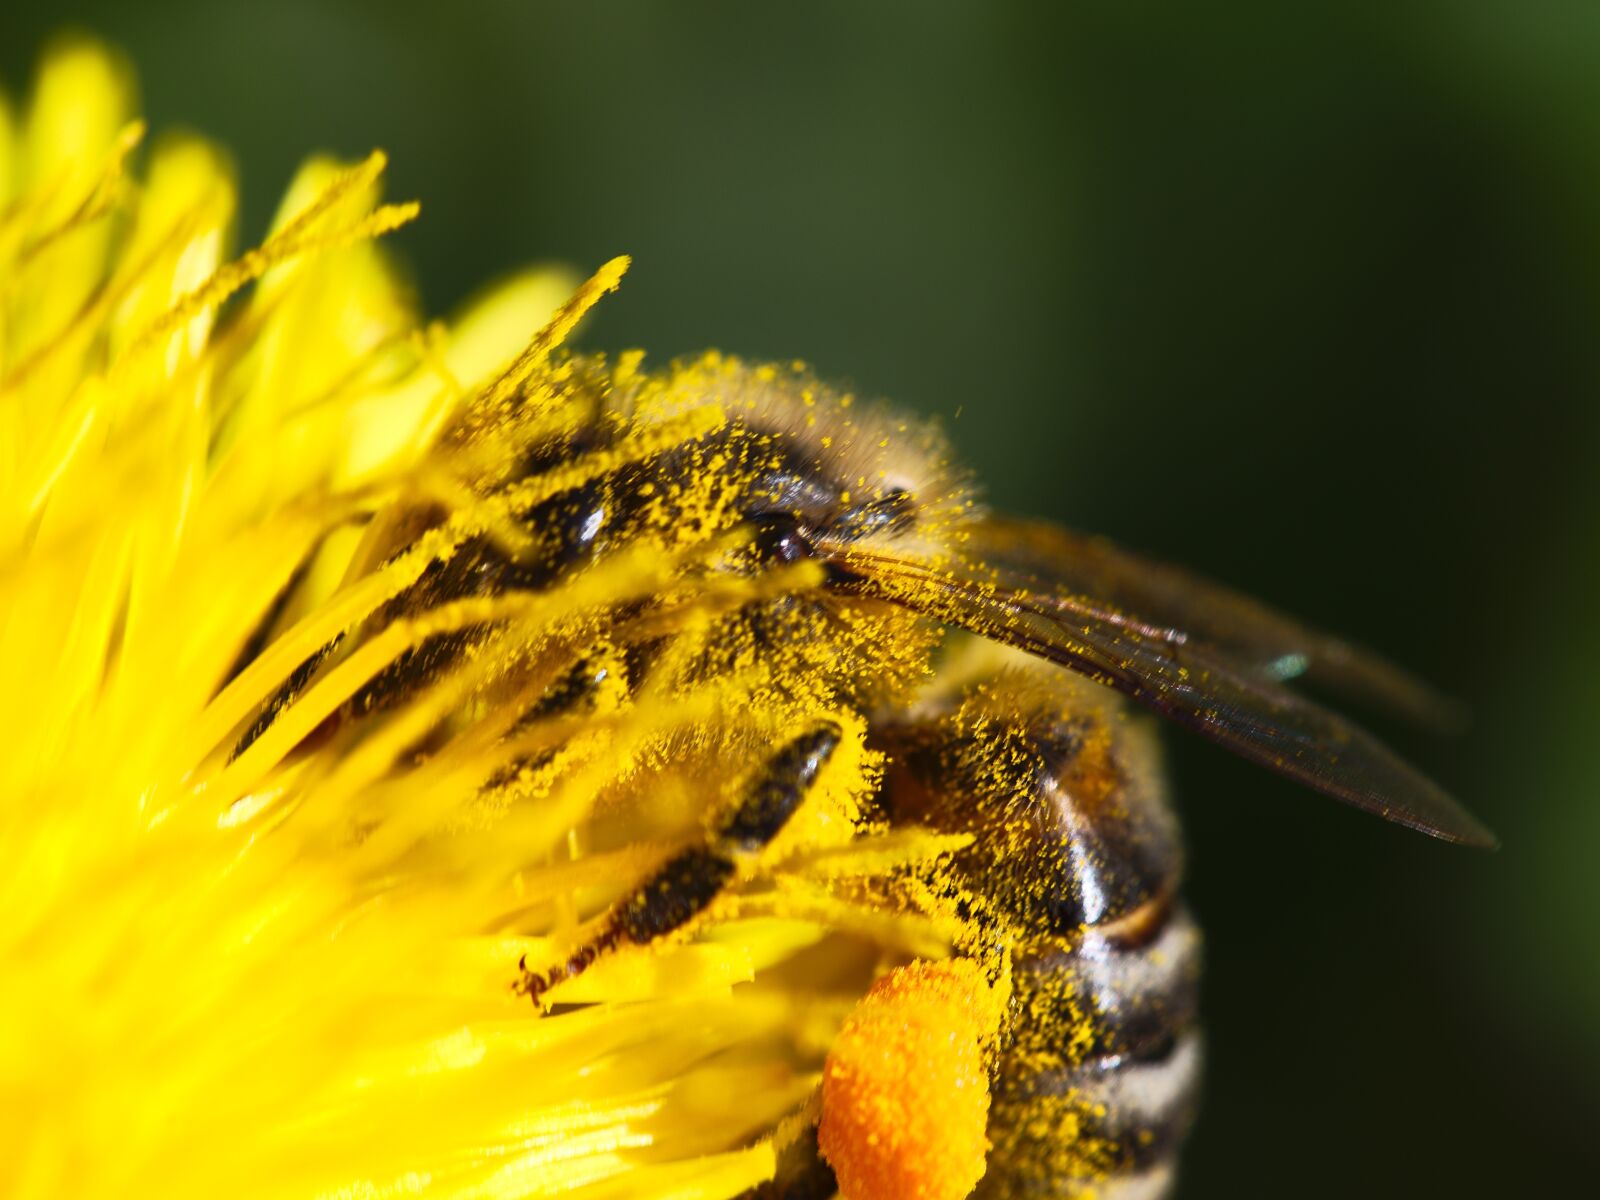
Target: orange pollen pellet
905	1095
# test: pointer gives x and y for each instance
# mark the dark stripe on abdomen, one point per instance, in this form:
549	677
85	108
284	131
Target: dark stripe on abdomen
1096	1085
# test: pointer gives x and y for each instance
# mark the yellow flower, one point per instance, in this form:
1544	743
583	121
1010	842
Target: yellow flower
262	923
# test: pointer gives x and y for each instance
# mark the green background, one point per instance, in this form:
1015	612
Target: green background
1305	296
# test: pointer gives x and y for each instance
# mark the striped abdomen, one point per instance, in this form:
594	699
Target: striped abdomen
1096	1084
1074	869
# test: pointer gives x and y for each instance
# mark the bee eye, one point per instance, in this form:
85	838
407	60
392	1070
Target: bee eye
778	538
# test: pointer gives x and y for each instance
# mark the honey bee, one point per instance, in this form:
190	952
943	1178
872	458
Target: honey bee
822	566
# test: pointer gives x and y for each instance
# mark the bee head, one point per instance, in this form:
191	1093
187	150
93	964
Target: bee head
823	474
793	473
782	536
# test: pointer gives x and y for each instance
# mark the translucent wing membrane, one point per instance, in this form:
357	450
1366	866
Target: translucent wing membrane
1220	686
1247	633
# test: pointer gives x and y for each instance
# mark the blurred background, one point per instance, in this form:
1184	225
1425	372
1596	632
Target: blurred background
1307	297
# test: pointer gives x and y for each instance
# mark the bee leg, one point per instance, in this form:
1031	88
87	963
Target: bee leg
478	567
683	886
802	1174
572	692
288	692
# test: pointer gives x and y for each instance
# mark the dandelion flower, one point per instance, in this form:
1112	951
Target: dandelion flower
287	797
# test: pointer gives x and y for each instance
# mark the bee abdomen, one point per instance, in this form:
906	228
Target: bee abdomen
1110	1134
1096	1086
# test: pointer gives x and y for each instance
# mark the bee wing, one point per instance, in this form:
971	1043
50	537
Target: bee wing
1187	680
1244	632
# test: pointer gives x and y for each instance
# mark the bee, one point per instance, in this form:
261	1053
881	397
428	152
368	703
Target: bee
818	577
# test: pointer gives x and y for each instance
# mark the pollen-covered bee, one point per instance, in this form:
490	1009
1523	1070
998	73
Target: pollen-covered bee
718	620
